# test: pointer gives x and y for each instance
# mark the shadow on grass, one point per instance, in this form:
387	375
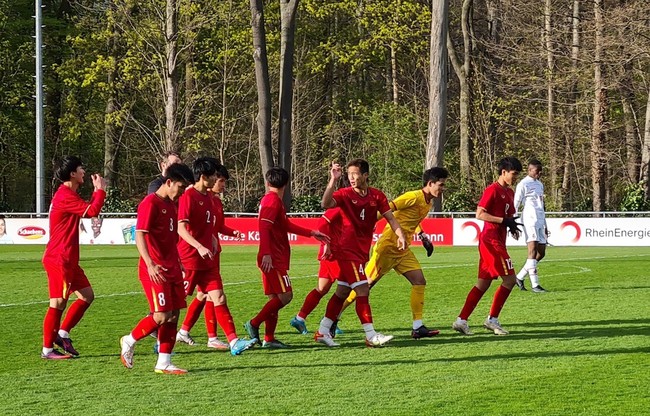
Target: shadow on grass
379	362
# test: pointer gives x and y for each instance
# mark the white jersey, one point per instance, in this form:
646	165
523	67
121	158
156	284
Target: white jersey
530	193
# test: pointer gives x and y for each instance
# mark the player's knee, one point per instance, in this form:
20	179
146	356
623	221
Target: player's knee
58	303
540	255
285	298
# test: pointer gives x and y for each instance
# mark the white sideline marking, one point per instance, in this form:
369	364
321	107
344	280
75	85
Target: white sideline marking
446	266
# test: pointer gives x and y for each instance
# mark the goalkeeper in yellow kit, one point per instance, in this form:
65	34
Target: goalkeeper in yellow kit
409	209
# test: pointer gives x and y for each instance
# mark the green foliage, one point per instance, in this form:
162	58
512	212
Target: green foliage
585	205
394	147
461	199
634	198
115	202
306	203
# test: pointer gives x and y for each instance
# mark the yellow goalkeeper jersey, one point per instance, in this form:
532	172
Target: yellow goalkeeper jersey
409	209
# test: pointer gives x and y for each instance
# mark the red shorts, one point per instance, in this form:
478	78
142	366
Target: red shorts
63	279
352	273
205	280
167	296
276	281
329	269
494	260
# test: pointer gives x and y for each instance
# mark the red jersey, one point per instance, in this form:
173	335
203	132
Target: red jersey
220	226
331	224
274	226
197	211
361	214
158	219
499	202
66	211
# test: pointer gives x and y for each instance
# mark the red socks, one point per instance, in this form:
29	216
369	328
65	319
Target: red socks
271	307
193	313
167	337
210	319
269	327
51	326
473	297
226	322
500	297
145	327
334	307
75	313
311	301
363	310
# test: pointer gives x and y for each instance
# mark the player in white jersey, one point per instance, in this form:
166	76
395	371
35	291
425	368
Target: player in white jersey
530	194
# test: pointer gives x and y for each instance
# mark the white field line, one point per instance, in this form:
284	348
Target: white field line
446	266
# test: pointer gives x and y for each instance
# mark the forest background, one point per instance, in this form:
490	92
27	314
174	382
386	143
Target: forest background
406	84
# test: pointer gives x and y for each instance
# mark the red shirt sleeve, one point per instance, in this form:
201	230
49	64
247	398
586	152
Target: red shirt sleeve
184	208
267	218
487	199
296	229
74	204
382	203
144	219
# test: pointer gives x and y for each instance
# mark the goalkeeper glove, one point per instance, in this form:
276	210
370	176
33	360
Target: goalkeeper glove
512	225
426	243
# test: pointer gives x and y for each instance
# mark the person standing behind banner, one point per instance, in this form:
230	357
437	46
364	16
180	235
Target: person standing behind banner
168	159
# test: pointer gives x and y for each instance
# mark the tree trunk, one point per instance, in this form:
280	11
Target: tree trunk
393	72
463	72
571	109
645	152
599	129
550	101
111	137
288	9
436	133
631	143
263	85
171	76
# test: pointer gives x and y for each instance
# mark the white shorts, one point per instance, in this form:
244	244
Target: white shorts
535	232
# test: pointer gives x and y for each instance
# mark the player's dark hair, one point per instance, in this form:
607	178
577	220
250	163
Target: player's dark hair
277	177
179	172
508	164
363	166
434	174
206	166
222	172
65	167
536	163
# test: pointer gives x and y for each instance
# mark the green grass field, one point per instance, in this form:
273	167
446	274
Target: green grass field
582	349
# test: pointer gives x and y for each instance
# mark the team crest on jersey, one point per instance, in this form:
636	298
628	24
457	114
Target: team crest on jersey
503	196
200	202
373	204
354	201
164	211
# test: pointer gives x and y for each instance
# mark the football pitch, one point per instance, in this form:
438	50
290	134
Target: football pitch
581	349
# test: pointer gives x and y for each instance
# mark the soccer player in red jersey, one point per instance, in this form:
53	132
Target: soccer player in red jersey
201	302
496	209
159	269
198	214
273	256
331	224
360	204
61	257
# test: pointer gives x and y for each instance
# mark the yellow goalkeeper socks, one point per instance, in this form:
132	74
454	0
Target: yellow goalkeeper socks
417	301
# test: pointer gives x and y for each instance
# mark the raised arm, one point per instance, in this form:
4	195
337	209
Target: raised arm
335	174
